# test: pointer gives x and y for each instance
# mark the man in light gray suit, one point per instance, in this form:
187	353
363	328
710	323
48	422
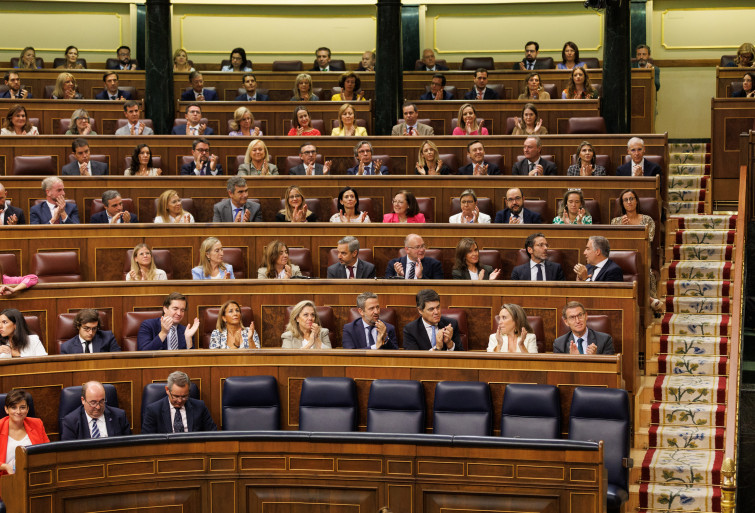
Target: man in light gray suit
581	339
236	209
83	166
349	265
134	126
410	126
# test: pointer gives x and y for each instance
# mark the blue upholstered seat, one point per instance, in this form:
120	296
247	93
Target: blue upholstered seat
531	411
396	406
251	403
328	404
462	408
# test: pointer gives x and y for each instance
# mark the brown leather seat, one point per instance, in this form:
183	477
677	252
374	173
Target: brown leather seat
186	203
539	206
552	90
98	206
287	65
460	316
488	125
450	160
35	122
387	315
591	62
66	330
161	258
120	123
727	60
56	266
435	253
48	91
209	320
629	261
386	160
35	327
303	258
554	255
132	321
549	158
538	328
295	160
337	65
65	124
596	322
68	202
235	257
427	207
313	205
735	87
9	261
484	204
231	96
492	257
492	158
593	207
59	61
502	94
510	125
327	320
419	65
472	63
601	160
39	60
319	124
586	125
450	89
35	165
157	162
364	254
365	205
547	62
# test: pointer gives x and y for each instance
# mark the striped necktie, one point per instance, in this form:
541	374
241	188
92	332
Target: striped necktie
95	429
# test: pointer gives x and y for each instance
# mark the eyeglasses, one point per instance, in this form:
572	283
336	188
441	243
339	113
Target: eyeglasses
468	202
202	150
95	404
577	317
90	329
629	199
179	397
517	198
309	152
421	246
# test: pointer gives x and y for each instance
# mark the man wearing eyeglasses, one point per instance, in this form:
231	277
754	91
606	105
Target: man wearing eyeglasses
177	412
205	162
94	418
414	265
91	338
515	213
309	166
581	339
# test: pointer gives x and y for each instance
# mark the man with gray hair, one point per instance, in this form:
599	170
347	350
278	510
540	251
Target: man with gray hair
532	164
368	331
599	267
365	166
54	210
349	265
177	412
114	212
236	208
638	165
94	418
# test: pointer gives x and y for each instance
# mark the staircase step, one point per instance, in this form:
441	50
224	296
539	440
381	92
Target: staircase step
683	437
686	389
710	221
689	147
682	466
687	194
687	365
701	236
685	207
689	345
688	170
696	270
705	252
700	325
706	415
686	157
697	288
657	498
698	305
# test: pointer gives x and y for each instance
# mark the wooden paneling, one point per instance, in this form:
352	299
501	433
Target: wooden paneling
724	78
730	117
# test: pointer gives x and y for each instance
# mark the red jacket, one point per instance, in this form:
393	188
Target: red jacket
34	428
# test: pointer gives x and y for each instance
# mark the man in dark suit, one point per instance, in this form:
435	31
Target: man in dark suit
349	265
539	268
437	91
480	89
478	166
13	82
177	412
205	163
91	338
515	213
111	91
581	339
251	94
365	166
431	331
114	212
167	332
54	210
368	61
428	62
197	92
322	61
124	59
530	62
94	418
369	332
308	166
9	214
415	265
599	267
194	125
638	165
83	166
236	208
532	164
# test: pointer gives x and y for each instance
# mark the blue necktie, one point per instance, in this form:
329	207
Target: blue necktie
540	272
236	212
370	338
434	339
411	270
579	346
178	425
95	429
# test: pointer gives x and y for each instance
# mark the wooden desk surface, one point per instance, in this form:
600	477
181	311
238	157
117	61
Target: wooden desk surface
730	117
725	76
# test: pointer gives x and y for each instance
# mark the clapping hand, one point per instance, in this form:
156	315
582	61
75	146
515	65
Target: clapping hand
581	271
421	169
326	167
537	170
189	333
399	269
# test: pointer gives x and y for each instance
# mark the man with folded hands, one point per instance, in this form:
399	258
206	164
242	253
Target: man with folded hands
369	332
431	331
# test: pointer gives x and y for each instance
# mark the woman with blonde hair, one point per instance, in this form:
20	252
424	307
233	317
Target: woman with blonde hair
243	124
72	58
80	123
143	266
303	89
257	160
429	162
514	333
65	88
745	56
170	209
467	118
211	265
28	59
181	61
295	207
230	333
304	330
534	89
277	263
347	126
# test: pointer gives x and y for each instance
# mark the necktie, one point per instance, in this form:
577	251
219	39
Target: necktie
367	170
540	276
594	274
350	269
529	65
253	98
194	130
411	271
95	429
370	338
435	328
236	212
87	346
172	339
579	346
532	166
637	171
479	95
410	130
477	169
178	425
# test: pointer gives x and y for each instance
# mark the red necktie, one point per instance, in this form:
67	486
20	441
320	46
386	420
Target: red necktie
351	271
479	95
410	130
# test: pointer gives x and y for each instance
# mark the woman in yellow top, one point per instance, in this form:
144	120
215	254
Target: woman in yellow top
347	123
350	86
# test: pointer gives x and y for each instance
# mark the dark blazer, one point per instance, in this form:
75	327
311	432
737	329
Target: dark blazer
332	66
10	210
209	96
72	168
6	94
101	218
157	417
76	427
489	94
523	168
188	169
464	273
259	97
438	67
469	169
431	268
148	337
553	272
539	64
603	341
415	335
222	212
648	169
354	170
530	217
355	338
181	130
104	95
299	170
430	96
610	272
40	214
365	270
103	342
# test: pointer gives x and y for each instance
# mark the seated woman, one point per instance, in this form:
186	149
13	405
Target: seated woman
277	265
586	165
211	265
405	209
181	61
303	89
570	57
573	207
12	284
429	162
80	123
747	91
530	123
72	56
467	264
18	430
143	266
347	126
170	209
579	87
467	117
350	86
348	208
257	160
238	61
295	210
141	163
65	88
514	333
16	122
243	124
745	57
301	124
230	333
534	89
304	330
469	211
15	338
28	59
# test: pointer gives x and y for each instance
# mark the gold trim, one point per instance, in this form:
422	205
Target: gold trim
562	469
166	460
388	468
48	472
419	462
310	458
58	471
695	47
339	460
107	467
117	15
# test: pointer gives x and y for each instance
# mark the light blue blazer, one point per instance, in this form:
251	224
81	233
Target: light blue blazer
198	274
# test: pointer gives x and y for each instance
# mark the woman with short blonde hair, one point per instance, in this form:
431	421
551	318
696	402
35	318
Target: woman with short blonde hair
304	330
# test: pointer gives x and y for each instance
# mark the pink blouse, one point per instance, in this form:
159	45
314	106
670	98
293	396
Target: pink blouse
393	218
460	131
29	280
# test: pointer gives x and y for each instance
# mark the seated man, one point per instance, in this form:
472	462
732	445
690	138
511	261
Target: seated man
54	210
415	265
197	92
308	166
642	58
91	338
322	61
369	332
368	61
194	125
236	208
639	165
9	215
177	412
349	265
532	164
531	49
515	213
581	339
83	166
410	126
428	62
94	418
15	91
431	331
251	94
365	166
113	212
124	59
167	332
480	89
437	91
599	266
478	166
205	164
111	91
132	111
539	268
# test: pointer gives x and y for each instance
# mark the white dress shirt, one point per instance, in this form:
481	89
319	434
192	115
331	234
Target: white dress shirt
596	270
183	417
100	425
409	263
373	331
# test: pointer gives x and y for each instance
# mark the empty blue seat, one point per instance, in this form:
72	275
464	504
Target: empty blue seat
328	404
531	411
251	403
153	392
70	399
396	406
462	408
